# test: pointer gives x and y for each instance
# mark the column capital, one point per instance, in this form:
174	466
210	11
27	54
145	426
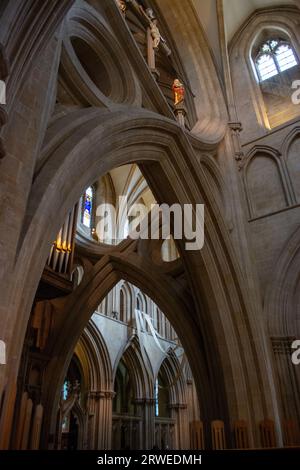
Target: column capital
144	401
97	394
236	126
178	406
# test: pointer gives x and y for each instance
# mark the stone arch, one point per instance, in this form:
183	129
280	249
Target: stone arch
281	295
216	178
220	309
264	175
88	42
128	300
282	314
177	392
264	34
96	366
93	355
276	18
140	302
291	157
81	419
141	377
174	373
106	274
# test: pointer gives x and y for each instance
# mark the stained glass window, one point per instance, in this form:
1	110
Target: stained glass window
156	398
266	66
274	56
285	57
87	207
65	390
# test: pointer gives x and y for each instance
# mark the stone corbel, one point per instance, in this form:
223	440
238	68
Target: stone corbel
4	71
180	113
99	394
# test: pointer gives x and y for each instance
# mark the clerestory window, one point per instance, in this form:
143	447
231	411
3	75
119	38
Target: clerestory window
274	56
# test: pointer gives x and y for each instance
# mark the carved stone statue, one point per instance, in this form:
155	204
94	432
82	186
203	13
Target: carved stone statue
155	34
178	91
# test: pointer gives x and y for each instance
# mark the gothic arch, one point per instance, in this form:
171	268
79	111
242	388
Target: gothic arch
274	18
175	376
215	176
128	298
140	301
281	296
221	309
93	355
282	314
177	391
87	37
280	186
140	375
294	181
81	420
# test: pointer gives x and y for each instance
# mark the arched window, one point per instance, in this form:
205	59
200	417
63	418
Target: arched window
161	397
124	393
122	306
274	56
87	207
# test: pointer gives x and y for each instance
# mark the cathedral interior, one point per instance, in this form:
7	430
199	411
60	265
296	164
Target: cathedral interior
110	341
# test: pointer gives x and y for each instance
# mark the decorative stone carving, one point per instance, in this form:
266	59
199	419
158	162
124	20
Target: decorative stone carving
236	128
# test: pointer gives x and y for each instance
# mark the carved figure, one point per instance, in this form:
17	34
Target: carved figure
179	91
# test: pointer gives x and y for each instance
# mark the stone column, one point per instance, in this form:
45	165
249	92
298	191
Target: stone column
180	413
100	419
145	409
288	378
36	427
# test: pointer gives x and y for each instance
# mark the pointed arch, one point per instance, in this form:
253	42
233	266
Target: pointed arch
222	318
290	152
173	371
141	378
265	196
94	358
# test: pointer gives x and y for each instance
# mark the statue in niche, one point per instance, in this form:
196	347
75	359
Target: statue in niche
178	91
156	37
155	34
